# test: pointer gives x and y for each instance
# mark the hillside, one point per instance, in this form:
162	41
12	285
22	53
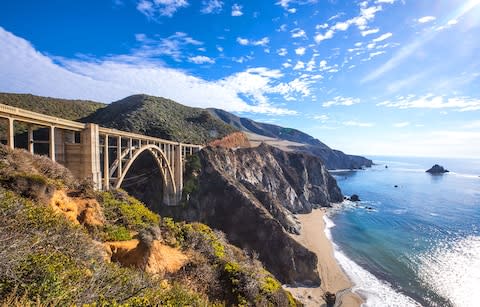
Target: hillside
291	140
163	118
268	130
64	108
63	244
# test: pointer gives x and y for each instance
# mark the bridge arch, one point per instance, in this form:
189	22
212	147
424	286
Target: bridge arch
166	171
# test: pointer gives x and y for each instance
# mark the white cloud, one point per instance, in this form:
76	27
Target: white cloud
409	49
237	10
371	31
286	3
297	33
426	19
152	8
211	6
323	118
321	26
282	28
401	125
243	41
200	59
472	125
361	21
430	101
220	48
385	1
321	37
287	65
261	42
352	123
25	70
341	101
374	54
282	52
300	51
299	65
382	37
172	46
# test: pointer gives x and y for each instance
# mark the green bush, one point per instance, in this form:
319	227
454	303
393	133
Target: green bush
116	233
121	209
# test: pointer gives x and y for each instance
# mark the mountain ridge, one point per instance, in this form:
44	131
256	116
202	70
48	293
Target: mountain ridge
333	159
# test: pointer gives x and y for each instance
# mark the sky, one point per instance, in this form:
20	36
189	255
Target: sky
374	77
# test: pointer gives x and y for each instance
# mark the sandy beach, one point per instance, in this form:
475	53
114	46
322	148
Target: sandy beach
333	278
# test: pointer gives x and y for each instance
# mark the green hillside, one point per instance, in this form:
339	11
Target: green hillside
163	118
63	244
64	108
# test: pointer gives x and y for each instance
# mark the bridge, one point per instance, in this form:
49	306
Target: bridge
103	155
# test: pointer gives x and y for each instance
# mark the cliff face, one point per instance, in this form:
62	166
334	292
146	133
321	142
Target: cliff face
251	195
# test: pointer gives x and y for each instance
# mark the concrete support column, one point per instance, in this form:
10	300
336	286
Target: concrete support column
178	170
51	143
60	145
106	165
130	148
90	154
30	140
119	157
10	134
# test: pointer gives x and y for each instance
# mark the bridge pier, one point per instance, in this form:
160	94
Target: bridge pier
90	143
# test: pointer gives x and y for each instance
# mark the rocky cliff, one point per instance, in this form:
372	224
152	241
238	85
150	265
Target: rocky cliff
251	194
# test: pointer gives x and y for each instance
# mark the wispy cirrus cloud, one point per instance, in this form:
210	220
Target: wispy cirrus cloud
430	101
353	123
426	19
155	8
341	101
172	46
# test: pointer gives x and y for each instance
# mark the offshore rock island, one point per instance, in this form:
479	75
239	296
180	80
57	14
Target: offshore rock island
237	231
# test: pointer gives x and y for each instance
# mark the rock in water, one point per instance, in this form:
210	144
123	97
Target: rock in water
354	197
437	169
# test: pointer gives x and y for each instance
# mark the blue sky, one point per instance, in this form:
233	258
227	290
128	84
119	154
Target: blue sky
367	77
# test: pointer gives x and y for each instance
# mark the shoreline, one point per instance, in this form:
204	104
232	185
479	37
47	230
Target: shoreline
333	278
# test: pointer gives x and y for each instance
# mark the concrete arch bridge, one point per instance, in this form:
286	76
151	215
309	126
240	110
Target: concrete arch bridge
108	157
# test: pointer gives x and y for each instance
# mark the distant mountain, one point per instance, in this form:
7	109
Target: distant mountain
64	108
163	118
296	141
268	130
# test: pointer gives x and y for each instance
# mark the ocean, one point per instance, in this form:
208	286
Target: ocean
417	244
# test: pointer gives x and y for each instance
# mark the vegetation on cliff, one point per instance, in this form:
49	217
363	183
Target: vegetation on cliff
61	243
163	118
63	108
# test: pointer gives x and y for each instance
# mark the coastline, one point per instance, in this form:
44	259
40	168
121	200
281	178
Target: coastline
333	278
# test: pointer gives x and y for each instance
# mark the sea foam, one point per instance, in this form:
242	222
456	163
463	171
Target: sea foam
375	292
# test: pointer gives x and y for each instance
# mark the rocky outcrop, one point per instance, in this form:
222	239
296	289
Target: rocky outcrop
251	194
437	169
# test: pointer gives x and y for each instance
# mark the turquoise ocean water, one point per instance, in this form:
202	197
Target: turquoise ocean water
417	244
